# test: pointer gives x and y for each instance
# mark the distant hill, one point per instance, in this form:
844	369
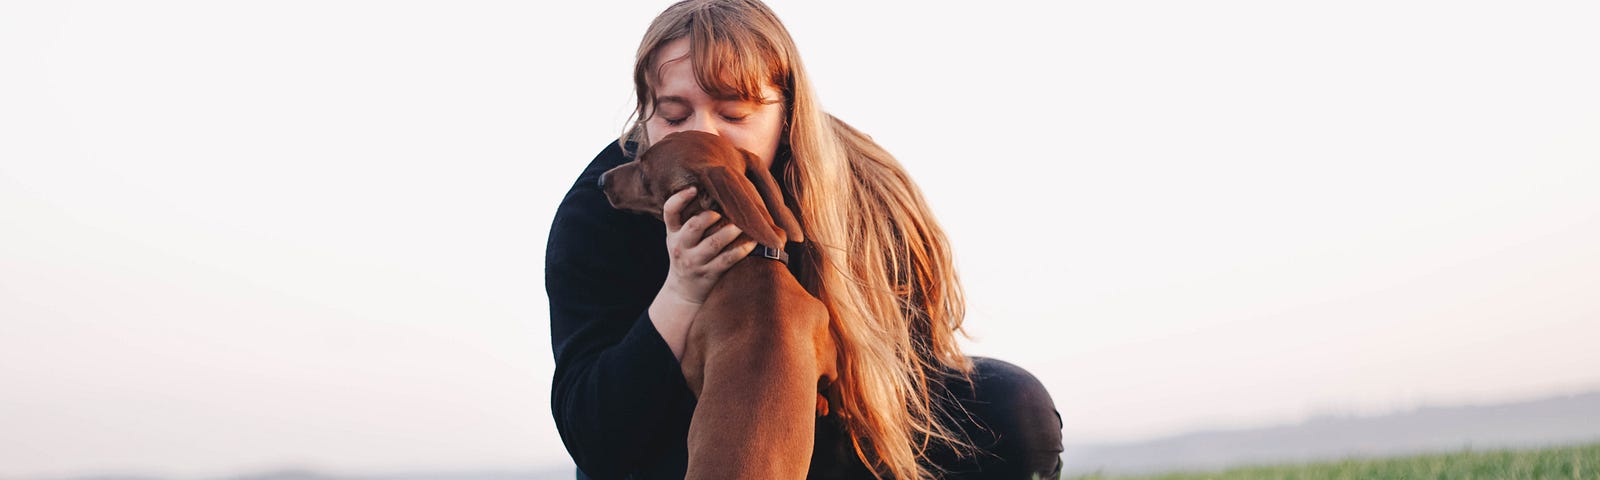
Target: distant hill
1549	422
1567	420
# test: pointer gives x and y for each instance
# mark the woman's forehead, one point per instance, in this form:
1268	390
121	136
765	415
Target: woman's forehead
677	83
673	65
673	50
676	76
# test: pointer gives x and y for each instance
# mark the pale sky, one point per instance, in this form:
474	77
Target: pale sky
243	235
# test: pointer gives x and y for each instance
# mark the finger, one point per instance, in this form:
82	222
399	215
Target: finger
693	231
719	240
685	242
706	252
714	245
734	254
674	206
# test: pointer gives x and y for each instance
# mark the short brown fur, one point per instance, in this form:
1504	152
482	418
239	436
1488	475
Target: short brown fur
759	355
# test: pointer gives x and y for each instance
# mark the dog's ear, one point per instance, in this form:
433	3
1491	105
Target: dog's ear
741	205
773	197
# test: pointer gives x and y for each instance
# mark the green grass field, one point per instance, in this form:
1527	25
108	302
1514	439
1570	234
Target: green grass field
1581	462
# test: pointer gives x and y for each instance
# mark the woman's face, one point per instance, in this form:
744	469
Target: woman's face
681	104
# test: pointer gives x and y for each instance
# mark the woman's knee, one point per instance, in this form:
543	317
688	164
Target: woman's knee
1011	417
1001	381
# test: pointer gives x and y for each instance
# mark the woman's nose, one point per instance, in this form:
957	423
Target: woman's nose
705	123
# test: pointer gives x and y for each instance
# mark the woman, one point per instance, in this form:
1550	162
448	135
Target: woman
913	406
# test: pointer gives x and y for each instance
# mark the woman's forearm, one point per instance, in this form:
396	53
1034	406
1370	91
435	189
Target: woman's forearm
672	314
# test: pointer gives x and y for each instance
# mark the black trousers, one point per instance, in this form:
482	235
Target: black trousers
1009	418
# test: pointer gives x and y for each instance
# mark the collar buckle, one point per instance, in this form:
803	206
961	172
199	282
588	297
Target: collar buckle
764	251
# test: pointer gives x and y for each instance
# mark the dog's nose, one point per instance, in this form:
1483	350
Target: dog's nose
601	182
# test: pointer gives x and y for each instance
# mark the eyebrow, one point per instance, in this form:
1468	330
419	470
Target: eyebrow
672	99
685	101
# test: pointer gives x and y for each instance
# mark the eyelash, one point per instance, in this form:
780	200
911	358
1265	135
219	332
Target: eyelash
674	123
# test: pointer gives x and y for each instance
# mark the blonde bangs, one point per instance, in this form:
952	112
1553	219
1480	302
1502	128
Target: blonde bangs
732	61
729	52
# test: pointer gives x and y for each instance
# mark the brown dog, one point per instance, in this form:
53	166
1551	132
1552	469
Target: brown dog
759	353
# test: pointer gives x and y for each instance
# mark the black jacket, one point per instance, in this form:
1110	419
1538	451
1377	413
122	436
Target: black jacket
619	398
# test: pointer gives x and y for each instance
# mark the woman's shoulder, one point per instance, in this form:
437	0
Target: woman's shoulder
609	157
585	222
584	197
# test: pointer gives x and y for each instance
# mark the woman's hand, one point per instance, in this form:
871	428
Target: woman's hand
697	260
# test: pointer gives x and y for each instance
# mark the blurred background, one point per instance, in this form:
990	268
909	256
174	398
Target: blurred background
306	238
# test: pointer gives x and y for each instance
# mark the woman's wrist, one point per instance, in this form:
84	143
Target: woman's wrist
671	314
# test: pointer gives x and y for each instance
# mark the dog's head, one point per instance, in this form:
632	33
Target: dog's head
729	180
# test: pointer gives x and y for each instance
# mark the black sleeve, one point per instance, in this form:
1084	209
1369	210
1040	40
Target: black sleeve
618	397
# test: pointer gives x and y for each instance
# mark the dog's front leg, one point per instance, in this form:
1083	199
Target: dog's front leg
756	348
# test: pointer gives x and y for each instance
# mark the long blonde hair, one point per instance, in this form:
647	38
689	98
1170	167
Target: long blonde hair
875	256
